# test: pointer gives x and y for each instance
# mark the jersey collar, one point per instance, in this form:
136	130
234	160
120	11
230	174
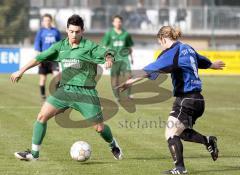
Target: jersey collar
116	32
172	46
80	45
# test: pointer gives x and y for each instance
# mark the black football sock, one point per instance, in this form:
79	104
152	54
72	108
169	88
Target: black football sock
176	149
191	135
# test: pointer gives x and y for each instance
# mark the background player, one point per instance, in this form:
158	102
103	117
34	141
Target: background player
46	36
121	41
79	58
183	62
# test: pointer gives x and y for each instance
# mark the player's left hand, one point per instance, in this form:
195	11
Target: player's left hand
218	65
109	62
16	76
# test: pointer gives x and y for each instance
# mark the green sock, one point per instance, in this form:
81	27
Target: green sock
39	131
106	134
112	144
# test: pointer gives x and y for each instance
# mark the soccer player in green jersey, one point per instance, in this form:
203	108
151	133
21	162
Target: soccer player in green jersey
121	42
79	58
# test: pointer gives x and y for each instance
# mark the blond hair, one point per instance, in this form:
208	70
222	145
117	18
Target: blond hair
169	32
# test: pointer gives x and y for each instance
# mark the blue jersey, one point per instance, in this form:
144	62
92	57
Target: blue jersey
45	38
183	62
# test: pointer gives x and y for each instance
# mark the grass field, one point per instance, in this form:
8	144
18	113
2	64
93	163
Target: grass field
144	146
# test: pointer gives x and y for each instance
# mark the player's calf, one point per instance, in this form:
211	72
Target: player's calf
106	134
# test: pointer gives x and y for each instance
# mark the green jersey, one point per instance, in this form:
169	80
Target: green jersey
79	64
118	42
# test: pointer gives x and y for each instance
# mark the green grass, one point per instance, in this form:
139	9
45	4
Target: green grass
145	149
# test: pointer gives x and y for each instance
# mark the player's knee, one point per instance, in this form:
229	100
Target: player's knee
99	127
41	117
174	127
170	132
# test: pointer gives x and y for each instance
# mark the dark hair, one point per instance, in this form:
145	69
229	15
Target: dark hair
48	16
169	32
75	20
117	16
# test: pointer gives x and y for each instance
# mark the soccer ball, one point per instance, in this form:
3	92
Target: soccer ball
80	151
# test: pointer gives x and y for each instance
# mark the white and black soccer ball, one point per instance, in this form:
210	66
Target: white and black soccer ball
80	151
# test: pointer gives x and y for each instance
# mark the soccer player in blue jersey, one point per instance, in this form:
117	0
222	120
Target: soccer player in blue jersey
183	62
46	36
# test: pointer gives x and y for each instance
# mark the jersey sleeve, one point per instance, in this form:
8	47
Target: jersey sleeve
98	54
164	64
106	39
38	42
129	41
203	62
50	54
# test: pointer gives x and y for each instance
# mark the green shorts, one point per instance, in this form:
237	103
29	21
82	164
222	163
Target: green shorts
121	67
83	99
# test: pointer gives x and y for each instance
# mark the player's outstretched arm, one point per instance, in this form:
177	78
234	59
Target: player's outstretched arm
218	65
122	87
16	76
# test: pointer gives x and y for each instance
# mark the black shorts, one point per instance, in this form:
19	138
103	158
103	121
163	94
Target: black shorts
47	67
188	108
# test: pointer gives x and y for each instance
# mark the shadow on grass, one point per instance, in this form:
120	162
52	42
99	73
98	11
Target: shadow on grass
185	157
96	162
223	169
208	156
149	158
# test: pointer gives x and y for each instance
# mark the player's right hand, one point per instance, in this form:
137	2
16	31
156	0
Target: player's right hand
16	76
122	87
218	65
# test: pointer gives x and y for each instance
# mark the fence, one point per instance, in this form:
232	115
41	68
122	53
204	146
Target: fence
195	21
141	19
